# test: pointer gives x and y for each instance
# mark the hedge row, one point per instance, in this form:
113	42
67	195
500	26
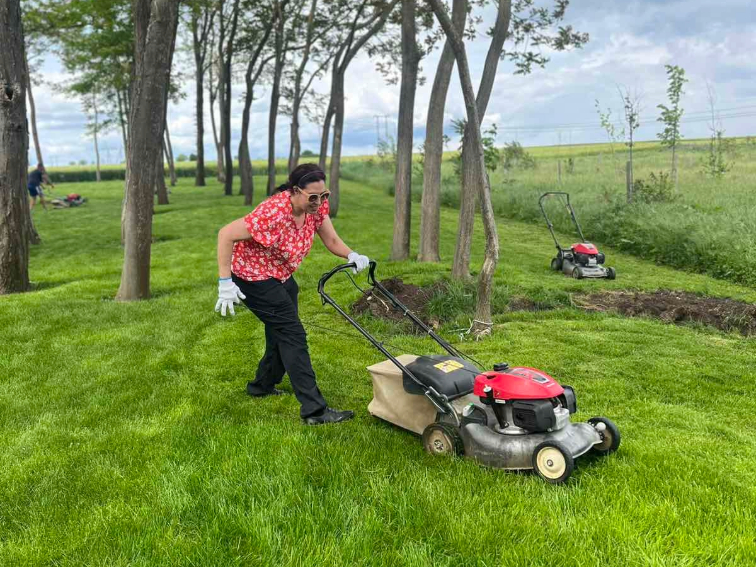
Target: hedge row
87	173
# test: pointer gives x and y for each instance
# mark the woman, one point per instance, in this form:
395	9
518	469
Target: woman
257	257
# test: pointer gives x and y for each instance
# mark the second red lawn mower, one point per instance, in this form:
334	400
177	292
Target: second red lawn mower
515	418
582	259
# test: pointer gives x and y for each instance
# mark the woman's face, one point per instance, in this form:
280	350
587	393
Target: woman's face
310	197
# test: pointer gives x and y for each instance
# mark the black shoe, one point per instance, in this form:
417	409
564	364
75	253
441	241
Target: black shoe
329	415
256	394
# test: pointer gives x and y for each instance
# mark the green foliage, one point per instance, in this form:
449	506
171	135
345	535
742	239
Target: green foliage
491	154
658	188
515	156
715	164
308	153
182	158
671	115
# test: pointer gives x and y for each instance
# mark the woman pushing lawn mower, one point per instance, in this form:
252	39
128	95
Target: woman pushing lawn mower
257	257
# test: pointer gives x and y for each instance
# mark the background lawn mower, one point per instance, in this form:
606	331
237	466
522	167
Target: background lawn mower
514	418
582	259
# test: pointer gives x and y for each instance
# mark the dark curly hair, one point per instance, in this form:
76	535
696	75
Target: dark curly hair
301	176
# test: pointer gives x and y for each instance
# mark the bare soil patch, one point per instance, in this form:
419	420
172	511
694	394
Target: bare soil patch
415	298
677	307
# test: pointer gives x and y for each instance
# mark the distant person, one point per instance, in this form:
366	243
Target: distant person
36	178
257	257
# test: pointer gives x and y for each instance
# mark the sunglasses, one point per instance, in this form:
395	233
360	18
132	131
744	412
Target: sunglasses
318	197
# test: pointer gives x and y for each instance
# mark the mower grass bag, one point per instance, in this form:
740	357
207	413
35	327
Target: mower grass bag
411	410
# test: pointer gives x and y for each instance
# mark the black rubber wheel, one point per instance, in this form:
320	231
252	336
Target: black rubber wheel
443	439
577	273
610	436
553	462
611	273
556	264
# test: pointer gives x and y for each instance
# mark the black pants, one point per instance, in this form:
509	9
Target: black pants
276	305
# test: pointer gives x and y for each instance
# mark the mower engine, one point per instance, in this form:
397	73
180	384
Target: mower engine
525	400
582	260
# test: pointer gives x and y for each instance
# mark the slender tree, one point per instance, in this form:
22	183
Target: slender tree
476	167
155	24
14	145
255	39
672	114
201	21
430	207
359	33
403	178
229	20
168	149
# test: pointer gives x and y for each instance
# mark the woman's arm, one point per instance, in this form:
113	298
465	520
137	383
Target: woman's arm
332	240
229	234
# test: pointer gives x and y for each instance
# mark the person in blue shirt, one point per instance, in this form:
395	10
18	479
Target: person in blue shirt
36	179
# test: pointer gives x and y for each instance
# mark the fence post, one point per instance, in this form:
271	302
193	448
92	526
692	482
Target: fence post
559	171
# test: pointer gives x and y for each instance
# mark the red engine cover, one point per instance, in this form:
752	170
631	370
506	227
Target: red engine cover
584	248
519	383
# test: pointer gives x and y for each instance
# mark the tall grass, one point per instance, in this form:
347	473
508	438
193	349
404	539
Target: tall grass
709	224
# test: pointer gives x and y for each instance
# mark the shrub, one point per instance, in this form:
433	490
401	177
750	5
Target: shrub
656	189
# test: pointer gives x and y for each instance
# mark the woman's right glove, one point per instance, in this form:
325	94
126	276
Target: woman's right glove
361	262
228	294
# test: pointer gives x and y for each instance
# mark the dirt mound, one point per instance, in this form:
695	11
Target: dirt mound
675	307
413	297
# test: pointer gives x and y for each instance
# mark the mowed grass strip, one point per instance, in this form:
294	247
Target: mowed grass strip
126	437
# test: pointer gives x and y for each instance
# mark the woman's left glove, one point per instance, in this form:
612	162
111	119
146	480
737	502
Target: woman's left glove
359	260
228	294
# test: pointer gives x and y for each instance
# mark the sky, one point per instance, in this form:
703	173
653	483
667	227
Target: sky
630	42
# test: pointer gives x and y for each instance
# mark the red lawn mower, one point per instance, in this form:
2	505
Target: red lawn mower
582	259
515	418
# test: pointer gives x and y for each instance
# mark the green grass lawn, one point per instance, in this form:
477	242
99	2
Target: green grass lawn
126	437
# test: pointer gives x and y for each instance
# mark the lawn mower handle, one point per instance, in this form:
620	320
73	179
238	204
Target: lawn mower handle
439	400
569	209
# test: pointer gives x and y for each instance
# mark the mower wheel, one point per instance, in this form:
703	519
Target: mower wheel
556	264
577	273
610	435
611	273
553	462
442	439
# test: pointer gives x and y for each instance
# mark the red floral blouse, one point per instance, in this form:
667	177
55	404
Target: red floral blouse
277	246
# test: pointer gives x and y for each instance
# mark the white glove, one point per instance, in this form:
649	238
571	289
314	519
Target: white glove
361	261
228	294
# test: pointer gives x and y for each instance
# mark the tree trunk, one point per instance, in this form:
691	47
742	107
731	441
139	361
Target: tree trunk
325	135
160	189
430	212
122	119
482	323
96	145
14	145
461	264
403	178
199	78
153	56
245	163
296	146
275	95
33	116
169	154
221	175
226	55
338	130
